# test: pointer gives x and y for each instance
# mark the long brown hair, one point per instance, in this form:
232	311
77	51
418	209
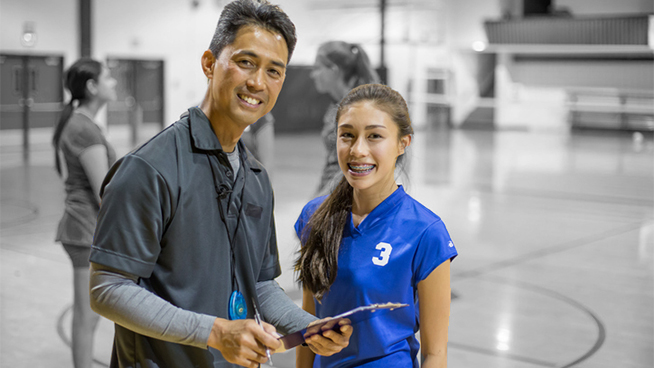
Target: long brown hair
317	262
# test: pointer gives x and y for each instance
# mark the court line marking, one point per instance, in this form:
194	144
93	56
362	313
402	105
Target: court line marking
601	329
562	247
32	212
553	194
580	197
501	355
601	333
601	336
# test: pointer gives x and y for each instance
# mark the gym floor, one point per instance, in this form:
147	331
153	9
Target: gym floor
555	232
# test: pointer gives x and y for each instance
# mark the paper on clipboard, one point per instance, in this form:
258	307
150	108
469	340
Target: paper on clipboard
352	317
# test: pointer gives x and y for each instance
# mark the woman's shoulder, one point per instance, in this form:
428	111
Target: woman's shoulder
81	132
313	205
428	227
78	123
420	213
307	211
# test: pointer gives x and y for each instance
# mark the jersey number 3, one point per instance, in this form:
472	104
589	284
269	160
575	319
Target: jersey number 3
382	260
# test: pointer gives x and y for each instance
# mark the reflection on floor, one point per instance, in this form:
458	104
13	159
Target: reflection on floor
555	233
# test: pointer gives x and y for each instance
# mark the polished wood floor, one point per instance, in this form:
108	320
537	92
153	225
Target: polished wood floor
555	233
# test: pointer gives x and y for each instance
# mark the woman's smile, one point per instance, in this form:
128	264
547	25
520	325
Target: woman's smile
359	169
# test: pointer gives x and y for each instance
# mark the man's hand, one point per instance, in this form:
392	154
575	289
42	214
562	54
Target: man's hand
330	341
243	342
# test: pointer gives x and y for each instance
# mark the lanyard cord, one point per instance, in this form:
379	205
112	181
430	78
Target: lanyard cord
222	192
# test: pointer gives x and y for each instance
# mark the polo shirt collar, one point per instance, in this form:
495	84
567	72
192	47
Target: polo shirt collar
204	138
202	135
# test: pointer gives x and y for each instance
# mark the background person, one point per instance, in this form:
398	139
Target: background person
87	156
185	245
339	67
369	242
259	138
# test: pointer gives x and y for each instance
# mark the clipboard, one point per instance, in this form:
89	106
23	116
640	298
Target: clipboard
351	317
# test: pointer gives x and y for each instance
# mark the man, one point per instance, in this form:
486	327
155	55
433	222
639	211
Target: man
185	240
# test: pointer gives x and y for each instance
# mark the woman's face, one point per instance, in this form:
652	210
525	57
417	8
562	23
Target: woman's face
368	147
106	86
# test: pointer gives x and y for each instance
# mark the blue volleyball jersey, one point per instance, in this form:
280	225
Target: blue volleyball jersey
382	260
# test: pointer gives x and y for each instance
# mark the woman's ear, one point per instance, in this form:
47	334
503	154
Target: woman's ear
404	143
208	61
92	87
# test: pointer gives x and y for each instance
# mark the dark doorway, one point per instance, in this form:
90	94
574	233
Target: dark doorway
299	107
140	93
31	92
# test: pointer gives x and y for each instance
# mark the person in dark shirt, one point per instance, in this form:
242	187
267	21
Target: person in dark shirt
185	246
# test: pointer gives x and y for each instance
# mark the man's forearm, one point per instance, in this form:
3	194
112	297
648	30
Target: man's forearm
279	310
118	297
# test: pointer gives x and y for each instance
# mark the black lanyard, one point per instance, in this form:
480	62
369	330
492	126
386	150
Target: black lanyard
224	191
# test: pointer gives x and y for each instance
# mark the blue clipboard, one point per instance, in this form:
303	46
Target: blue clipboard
351	317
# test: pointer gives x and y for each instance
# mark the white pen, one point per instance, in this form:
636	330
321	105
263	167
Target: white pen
257	317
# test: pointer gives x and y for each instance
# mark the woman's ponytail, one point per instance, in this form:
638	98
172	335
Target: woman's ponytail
66	113
317	263
365	73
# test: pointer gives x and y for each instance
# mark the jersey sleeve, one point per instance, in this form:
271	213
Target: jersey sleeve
80	137
136	202
301	223
305	215
435	247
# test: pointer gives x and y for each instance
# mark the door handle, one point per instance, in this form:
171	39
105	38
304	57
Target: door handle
130	101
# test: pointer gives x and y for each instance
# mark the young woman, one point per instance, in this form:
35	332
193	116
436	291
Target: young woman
87	156
339	67
370	242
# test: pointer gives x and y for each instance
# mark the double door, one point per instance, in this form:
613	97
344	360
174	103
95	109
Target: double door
140	92
31	93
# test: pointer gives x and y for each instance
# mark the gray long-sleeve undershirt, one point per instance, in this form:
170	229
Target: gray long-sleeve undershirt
118	297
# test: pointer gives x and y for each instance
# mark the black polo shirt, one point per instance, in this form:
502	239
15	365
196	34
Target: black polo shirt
160	221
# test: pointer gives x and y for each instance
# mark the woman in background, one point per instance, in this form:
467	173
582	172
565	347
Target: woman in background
87	156
259	138
339	67
368	242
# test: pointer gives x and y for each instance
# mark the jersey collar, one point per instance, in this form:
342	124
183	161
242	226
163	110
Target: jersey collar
378	213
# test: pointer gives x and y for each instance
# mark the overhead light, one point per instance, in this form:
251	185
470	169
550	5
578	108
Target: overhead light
28	38
479	46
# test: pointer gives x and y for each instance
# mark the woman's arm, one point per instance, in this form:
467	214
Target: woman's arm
434	295
95	164
303	355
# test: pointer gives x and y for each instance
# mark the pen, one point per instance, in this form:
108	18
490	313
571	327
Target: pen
257	317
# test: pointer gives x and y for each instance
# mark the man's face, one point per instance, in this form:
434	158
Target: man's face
248	75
